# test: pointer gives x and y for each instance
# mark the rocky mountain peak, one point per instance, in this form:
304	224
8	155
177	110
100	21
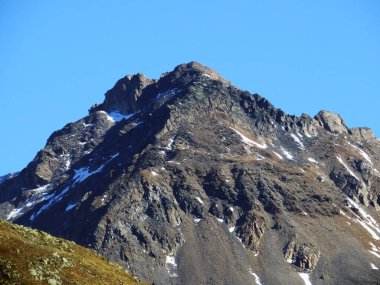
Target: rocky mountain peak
125	94
332	122
190	180
194	69
134	92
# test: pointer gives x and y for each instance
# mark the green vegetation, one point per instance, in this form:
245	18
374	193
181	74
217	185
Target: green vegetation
29	256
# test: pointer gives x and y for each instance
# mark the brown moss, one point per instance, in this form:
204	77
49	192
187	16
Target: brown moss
33	257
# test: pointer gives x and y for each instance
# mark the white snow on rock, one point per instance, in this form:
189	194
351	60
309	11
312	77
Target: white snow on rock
231	229
375	253
199	200
154	173
66	159
257	279
312	160
305	277
344	214
197	220
51	201
115	117
362	153
278	155
220	220
374	248
83	173
367	222
287	153
297	140
169	145
80	175
374	267
307	134
231	209
37	195
347	168
87	125
164	94
289	260
70	207
170	260
249	141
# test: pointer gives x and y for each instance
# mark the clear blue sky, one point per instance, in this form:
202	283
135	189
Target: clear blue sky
57	58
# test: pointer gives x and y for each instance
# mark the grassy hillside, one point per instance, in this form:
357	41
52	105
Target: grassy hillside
30	257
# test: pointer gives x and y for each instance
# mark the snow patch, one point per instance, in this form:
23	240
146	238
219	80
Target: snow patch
231	229
362	153
166	93
257	279
83	173
199	200
80	175
220	220
368	222
37	195
87	125
375	253
305	277
307	134
116	117
197	220
374	267
347	168
297	140
70	207
312	160
289	260
278	155
286	153
154	173
169	145
170	260
249	141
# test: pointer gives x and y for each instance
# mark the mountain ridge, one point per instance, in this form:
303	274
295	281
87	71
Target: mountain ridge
144	177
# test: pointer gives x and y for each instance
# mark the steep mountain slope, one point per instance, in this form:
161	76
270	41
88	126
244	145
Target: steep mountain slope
32	257
189	180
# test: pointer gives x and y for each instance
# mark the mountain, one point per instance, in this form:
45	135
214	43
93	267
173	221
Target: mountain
189	180
33	257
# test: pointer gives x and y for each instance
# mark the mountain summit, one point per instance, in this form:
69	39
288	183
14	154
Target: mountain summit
189	180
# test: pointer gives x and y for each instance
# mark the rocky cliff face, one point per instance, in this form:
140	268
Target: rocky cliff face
190	180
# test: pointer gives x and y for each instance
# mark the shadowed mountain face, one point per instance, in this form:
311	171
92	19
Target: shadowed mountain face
190	180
